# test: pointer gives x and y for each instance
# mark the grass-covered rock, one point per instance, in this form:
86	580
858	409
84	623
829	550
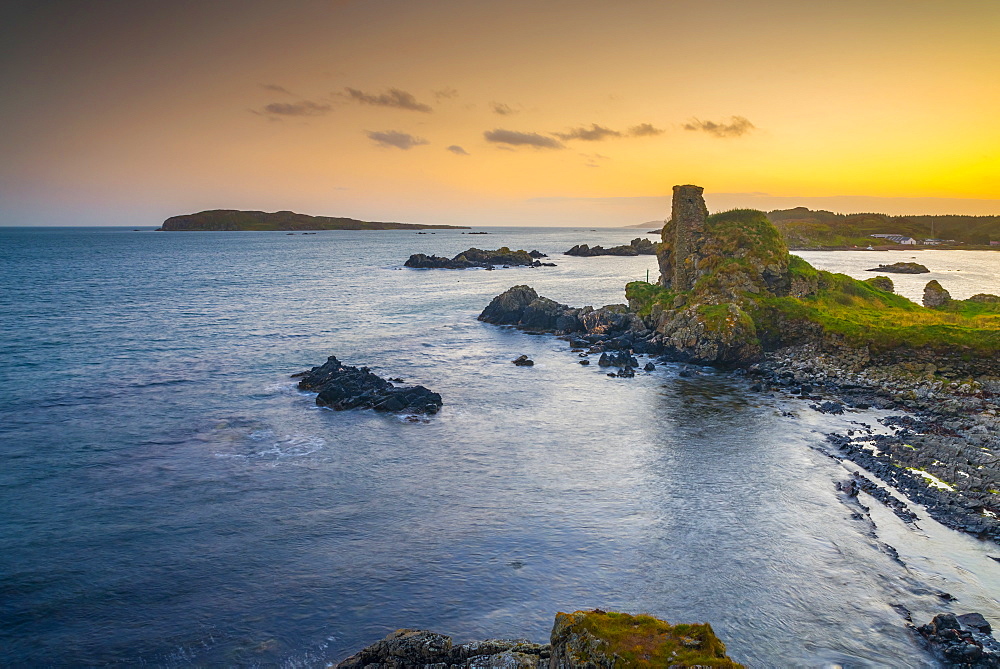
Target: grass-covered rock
611	640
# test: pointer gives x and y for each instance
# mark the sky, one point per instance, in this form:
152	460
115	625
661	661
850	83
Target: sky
540	112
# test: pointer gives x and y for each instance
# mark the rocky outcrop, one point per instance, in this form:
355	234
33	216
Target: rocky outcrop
478	258
581	640
901	268
612	327
343	387
961	641
882	283
637	247
935	295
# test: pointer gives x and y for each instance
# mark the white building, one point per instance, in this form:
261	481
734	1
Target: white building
896	239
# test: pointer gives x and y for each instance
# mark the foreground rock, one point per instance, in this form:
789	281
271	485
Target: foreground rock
343	387
478	258
901	268
581	640
637	247
961	641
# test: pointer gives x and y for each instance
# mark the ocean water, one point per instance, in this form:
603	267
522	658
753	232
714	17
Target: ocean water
170	499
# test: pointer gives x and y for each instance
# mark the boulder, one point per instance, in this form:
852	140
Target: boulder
523	361
342	387
508	307
935	295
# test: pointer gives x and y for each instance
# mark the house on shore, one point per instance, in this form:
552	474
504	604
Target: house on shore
896	239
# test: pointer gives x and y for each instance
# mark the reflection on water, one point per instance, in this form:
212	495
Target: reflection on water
171	498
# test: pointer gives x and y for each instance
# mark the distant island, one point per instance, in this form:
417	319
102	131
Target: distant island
234	219
804	228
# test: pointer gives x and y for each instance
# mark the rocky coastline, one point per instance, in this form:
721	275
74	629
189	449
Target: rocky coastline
731	296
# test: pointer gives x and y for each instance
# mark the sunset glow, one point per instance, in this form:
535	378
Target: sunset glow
513	113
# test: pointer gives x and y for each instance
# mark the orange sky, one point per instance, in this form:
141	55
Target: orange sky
505	113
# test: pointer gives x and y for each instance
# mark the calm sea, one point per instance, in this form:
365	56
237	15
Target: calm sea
169	498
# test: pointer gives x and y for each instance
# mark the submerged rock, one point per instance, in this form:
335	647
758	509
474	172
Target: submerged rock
901	268
343	387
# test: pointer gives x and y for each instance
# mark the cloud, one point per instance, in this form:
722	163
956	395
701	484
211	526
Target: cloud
594	133
503	109
400	140
394	98
304	108
457	150
737	126
275	88
446	93
644	130
514	138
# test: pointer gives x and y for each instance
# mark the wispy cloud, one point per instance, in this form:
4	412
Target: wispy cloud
393	98
594	133
514	138
303	108
393	138
457	150
644	130
737	126
446	93
503	109
275	88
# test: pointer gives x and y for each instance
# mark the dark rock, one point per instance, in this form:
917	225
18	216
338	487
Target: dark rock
901	268
637	246
474	257
536	254
523	361
961	641
835	408
584	362
508	307
341	387
649	367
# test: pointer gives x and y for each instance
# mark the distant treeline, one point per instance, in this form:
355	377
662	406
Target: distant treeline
802	227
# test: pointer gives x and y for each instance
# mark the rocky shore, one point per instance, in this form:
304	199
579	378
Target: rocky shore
474	257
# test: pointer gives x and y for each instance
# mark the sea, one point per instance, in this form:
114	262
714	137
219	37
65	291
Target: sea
168	498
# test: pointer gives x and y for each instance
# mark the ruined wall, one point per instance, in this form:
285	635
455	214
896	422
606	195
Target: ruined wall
681	238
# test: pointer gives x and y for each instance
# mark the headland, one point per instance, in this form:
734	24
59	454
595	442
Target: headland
235	219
